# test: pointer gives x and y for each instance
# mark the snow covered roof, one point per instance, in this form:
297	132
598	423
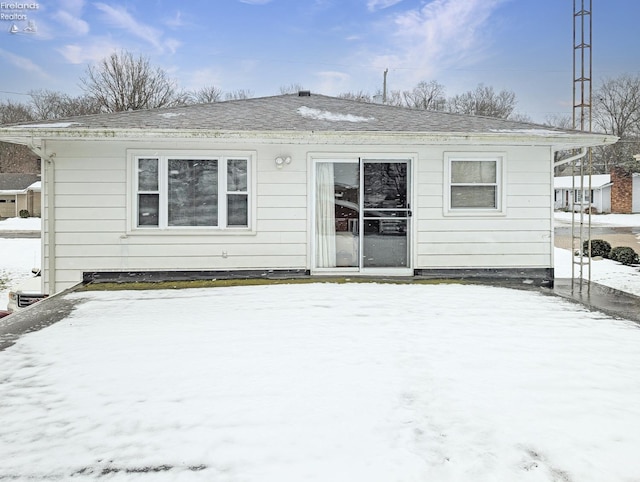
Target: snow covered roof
598	181
294	114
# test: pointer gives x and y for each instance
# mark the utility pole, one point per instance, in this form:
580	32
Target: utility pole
384	87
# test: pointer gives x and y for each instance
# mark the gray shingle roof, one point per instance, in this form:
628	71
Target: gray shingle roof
291	112
17	182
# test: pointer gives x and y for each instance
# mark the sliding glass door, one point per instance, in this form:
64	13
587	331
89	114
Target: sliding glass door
362	214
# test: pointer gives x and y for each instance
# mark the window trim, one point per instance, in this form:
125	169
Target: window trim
190	154
579	196
501	192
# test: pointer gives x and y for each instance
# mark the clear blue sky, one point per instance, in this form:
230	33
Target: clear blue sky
327	46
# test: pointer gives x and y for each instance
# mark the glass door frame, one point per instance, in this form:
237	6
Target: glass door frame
360	161
382	216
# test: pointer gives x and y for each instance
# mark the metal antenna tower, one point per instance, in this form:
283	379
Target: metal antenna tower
581	165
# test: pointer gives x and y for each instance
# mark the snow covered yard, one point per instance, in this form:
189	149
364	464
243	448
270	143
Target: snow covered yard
17	255
323	382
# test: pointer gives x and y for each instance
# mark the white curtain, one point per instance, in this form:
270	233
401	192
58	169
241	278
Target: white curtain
325	216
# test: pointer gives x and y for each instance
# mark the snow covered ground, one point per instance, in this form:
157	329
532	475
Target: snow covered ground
17	255
604	271
318	382
604	219
21	224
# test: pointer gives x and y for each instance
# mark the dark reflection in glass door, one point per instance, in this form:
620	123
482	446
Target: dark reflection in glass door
386	214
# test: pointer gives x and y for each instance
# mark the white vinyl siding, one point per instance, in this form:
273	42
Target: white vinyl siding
95	196
95	209
519	235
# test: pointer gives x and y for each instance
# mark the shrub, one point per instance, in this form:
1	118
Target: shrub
24	213
624	255
599	247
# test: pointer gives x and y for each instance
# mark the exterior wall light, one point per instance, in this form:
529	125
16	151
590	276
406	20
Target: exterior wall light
282	160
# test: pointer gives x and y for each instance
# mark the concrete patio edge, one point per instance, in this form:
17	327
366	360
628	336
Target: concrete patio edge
595	296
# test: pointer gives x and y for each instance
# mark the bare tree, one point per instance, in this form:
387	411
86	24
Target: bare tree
291	89
123	82
205	95
12	112
360	96
425	95
562	122
559	120
48	104
617	112
484	101
520	117
617	106
394	97
14	157
239	94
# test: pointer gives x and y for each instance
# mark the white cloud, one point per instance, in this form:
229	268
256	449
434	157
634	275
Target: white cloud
172	44
121	18
374	5
331	82
203	77
69	14
72	23
22	63
439	35
88	52
175	22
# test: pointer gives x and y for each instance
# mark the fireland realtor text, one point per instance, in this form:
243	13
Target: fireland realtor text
16	10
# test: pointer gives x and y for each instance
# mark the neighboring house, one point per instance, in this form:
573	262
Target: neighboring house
625	192
568	194
18	192
610	193
295	185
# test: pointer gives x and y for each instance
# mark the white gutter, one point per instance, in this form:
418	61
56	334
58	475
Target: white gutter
51	231
581	154
47	209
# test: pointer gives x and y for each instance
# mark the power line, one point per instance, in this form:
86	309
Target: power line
9	92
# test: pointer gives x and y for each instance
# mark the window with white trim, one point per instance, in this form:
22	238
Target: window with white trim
474	183
583	196
196	192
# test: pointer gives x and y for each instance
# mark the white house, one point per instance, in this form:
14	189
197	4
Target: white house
19	192
569	195
295	185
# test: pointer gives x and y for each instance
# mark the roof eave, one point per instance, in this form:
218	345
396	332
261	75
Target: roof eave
557	140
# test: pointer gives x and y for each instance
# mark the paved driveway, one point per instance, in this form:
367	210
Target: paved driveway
615	235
